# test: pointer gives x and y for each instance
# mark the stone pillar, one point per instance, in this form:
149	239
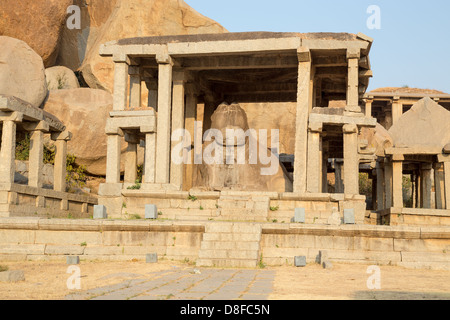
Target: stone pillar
339	182
36	160
314	167
152	86
397	181
121	63
113	158
447	184
426	185
59	171
162	174
439	182
418	193
178	108
301	123
325	155
397	110
131	159
369	103
191	115
135	86
353	56
150	158
380	186
388	172
351	159
8	152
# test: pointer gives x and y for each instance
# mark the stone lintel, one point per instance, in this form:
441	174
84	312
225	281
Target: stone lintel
36	126
139	113
144	124
398	157
362	36
350	128
163	57
11	116
354	53
316	127
339	119
121	58
65	135
443	157
417	150
304	54
112	131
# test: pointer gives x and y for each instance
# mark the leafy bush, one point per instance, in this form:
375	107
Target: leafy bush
76	175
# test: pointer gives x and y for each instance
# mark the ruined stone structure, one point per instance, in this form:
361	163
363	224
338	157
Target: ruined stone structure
188	77
420	153
387	105
33	200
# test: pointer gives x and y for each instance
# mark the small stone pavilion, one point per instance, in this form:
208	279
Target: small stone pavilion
17	116
189	76
420	154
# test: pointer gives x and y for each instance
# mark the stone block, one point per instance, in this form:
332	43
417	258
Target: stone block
73	260
151	211
300	215
151	258
327	265
334	219
100	212
323	256
12	276
349	216
300	261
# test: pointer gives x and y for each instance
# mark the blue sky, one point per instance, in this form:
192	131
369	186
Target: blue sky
411	48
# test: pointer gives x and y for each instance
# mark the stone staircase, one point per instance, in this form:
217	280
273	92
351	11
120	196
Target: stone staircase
230	244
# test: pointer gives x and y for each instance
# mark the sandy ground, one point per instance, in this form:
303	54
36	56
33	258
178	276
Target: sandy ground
47	281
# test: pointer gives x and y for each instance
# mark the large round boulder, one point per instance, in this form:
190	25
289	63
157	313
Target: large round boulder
61	78
109	20
22	72
84	112
38	23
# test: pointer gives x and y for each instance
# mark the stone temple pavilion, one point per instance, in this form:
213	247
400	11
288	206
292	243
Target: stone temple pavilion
184	73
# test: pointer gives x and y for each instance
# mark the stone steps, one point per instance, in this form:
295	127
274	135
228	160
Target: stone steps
227	244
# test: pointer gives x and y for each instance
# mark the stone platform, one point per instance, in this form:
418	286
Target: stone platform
223	244
234	205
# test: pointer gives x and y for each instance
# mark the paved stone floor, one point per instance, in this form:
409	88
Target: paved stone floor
194	284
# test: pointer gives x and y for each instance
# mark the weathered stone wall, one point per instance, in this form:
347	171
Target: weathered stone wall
54	239
411	247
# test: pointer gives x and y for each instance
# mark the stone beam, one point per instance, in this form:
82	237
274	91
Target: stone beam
33	126
11	116
258	88
239	62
